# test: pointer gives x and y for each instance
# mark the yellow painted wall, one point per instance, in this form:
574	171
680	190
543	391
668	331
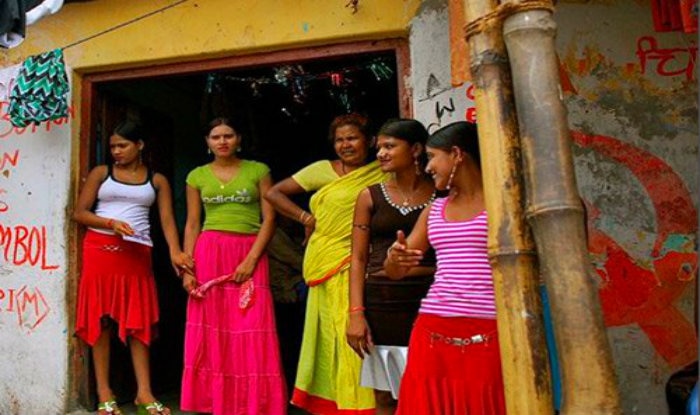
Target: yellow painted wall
200	29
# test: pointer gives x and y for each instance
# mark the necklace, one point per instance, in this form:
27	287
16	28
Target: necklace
406	199
405	207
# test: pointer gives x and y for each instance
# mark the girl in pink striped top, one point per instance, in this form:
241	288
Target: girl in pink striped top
454	365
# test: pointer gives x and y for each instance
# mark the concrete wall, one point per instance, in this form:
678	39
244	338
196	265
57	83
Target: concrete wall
633	109
633	113
34	179
632	100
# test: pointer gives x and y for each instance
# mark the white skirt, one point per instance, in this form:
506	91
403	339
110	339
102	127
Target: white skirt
382	370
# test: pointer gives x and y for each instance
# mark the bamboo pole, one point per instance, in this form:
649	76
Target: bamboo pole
556	214
524	356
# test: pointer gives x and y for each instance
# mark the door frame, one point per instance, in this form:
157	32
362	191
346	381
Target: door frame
80	389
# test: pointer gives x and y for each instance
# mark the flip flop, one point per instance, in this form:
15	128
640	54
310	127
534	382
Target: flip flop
152	408
109	408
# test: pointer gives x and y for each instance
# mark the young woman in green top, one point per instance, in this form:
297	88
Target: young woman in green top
232	359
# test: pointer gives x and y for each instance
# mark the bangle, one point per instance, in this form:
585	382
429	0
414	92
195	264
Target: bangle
356	308
304	217
110	224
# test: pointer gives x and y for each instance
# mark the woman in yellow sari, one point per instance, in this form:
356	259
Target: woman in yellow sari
328	375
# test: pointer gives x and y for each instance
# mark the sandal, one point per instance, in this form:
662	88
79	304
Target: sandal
153	408
109	408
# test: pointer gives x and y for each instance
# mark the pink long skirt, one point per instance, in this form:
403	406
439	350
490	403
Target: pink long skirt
232	361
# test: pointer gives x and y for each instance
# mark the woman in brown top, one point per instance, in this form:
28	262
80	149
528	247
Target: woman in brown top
382	310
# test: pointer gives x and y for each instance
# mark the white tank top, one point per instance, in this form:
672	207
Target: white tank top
129	203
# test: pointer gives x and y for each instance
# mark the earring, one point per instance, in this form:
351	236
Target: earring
208	150
452	176
417	164
238	149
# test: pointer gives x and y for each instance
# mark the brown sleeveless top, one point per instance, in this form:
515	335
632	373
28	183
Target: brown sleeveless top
387	218
392	305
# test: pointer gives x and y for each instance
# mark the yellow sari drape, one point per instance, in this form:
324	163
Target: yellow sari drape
329	371
333	207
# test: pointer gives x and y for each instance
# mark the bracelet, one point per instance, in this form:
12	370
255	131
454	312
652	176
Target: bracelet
304	217
110	224
356	308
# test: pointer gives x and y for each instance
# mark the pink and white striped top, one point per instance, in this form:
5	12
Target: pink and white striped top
463	285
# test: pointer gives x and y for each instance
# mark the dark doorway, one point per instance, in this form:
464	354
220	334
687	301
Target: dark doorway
284	110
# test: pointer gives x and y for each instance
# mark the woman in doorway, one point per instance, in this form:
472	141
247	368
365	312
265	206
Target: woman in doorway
117	283
454	364
232	360
382	310
328	369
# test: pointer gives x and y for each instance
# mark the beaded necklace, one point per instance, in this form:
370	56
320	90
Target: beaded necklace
404	209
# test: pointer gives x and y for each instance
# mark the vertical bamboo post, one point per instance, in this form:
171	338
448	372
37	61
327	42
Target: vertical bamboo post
521	335
555	212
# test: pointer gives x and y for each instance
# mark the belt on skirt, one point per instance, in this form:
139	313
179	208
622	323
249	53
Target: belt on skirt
460	342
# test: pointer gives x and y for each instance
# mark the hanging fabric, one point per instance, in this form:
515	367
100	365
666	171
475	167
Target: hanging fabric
41	90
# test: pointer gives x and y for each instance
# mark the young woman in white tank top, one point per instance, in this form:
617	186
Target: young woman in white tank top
117	288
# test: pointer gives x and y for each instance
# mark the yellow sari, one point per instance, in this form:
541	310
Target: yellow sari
328	377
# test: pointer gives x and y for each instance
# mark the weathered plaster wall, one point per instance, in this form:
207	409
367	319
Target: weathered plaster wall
633	110
632	100
436	102
34	178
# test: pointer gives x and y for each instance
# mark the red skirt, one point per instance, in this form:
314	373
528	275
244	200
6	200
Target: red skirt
116	282
444	378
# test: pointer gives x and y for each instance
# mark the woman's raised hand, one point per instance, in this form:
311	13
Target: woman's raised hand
399	253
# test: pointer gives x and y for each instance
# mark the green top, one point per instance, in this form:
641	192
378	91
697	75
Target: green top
315	175
232	206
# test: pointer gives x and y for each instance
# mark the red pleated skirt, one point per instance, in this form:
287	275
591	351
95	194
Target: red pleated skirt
116	282
446	379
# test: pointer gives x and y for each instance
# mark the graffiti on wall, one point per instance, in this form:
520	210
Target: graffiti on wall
26	305
9	131
669	61
443	106
643	291
25	233
25	245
